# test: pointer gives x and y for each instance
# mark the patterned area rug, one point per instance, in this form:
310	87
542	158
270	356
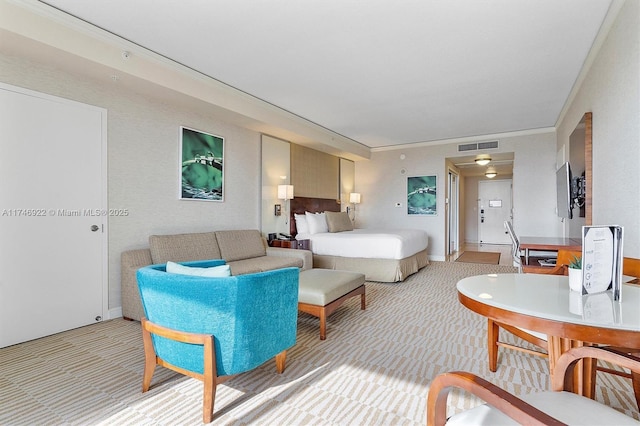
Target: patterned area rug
486	257
374	368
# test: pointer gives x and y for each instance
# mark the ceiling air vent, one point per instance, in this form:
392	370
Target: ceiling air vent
477	146
488	145
467	147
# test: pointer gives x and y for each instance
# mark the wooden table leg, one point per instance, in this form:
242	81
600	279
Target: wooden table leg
582	380
555	350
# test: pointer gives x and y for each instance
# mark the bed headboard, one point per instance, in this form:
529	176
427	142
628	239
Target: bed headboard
300	205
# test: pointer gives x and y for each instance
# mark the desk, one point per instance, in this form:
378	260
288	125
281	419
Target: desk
543	303
548	244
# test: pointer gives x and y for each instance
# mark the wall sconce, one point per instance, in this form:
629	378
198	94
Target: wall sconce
483	160
285	193
490	174
354	198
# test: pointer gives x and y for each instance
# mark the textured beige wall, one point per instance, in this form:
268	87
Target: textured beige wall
314	173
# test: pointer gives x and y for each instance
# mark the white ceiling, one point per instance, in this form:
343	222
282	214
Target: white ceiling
380	72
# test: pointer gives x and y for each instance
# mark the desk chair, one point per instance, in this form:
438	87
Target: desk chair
515	245
556	407
537	339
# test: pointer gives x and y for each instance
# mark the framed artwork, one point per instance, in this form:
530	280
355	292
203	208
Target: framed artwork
421	195
202	166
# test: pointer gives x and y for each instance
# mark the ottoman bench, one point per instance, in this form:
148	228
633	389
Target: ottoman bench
322	291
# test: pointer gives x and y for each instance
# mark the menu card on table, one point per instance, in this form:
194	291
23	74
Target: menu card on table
602	259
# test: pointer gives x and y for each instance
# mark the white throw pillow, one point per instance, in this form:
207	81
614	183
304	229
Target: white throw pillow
302	227
213	271
317	223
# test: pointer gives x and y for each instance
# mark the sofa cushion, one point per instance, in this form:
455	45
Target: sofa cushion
184	247
338	221
240	244
263	263
213	271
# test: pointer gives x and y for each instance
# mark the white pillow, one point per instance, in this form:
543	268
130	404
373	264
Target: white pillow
317	223
302	227
214	271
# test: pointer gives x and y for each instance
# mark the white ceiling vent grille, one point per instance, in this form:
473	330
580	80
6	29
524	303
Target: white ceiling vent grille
468	147
488	145
477	146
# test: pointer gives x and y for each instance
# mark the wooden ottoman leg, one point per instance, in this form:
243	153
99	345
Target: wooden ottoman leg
323	324
363	301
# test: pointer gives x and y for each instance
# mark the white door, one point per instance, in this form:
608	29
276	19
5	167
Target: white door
494	208
453	218
52	219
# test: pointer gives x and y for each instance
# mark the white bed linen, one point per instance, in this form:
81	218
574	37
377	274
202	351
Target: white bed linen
368	243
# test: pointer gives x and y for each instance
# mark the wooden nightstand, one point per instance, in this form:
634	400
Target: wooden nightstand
292	244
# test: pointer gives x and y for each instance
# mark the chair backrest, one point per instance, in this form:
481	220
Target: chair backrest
252	317
514	239
515	243
565	257
631	267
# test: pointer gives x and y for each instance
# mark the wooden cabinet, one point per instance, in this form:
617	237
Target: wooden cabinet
292	244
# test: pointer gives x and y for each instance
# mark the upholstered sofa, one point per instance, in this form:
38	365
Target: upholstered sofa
245	251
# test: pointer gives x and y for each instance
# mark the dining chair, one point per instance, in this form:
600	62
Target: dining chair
539	340
556	407
630	268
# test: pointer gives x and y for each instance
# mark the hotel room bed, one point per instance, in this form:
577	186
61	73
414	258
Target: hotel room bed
382	255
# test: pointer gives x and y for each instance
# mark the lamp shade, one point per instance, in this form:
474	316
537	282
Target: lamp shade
285	192
354	198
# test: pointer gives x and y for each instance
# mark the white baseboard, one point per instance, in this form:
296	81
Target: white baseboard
114	313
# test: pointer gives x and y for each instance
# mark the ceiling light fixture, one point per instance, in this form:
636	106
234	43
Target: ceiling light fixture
491	174
482	161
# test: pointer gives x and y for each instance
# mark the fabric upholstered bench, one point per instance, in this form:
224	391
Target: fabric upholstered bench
322	291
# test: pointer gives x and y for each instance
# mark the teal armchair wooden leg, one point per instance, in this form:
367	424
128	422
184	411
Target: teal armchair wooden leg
281	361
209	377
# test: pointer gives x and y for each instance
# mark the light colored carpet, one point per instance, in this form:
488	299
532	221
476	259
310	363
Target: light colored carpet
486	257
374	368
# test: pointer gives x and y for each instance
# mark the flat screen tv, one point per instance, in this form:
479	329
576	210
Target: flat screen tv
563	191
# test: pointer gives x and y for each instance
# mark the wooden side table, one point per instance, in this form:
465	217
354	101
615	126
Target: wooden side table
291	244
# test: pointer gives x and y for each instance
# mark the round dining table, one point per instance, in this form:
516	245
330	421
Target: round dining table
545	304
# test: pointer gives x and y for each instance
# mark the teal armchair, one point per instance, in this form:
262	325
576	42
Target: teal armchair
214	328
